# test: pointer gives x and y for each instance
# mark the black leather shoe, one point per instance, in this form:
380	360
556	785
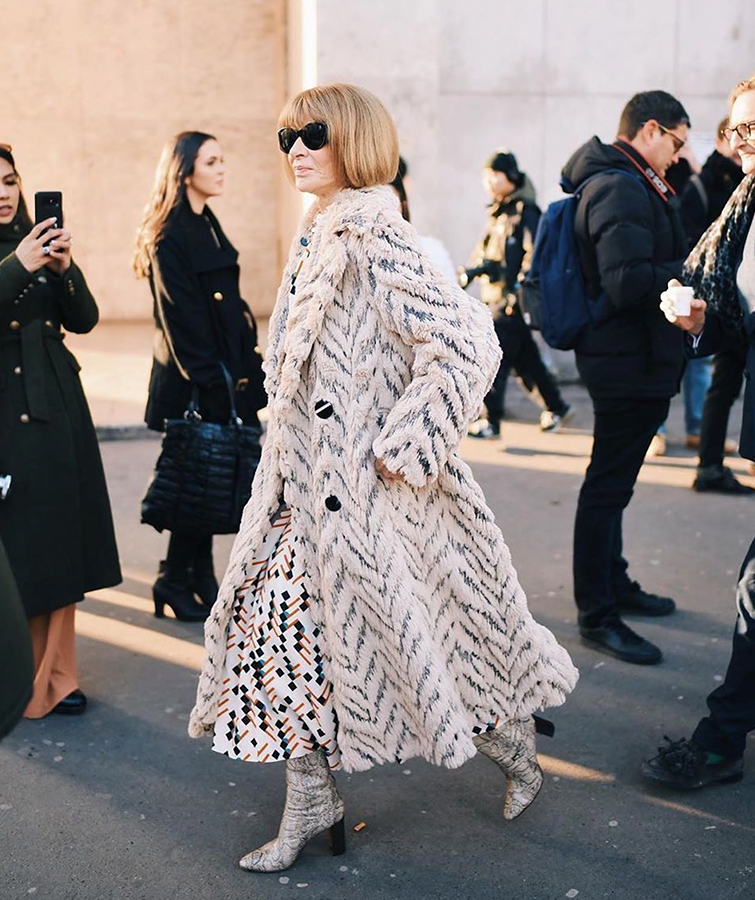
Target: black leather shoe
721	480
617	639
72	705
684	765
641	603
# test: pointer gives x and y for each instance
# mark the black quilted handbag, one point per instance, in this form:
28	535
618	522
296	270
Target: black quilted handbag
203	476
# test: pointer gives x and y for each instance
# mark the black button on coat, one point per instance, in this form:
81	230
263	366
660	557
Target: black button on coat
56	522
201	321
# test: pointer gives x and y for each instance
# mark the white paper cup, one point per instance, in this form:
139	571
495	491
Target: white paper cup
681	299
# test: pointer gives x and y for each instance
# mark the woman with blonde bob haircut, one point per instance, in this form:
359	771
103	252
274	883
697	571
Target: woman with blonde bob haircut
370	611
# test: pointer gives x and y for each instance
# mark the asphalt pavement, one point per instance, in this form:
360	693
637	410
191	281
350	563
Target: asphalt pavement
122	804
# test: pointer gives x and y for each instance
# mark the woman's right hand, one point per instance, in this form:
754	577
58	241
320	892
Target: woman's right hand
694	322
31	250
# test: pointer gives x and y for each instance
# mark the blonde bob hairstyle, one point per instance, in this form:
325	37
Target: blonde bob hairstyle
361	133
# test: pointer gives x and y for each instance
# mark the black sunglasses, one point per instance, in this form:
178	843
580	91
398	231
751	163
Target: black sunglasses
314	136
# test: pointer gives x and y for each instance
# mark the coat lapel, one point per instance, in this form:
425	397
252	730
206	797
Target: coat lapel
297	321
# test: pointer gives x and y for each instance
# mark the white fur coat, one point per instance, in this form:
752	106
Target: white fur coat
425	627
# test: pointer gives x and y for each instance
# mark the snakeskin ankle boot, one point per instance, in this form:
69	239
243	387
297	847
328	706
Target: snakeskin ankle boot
312	805
512	748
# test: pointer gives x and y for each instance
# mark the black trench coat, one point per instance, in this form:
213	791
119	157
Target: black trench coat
16	663
56	522
201	321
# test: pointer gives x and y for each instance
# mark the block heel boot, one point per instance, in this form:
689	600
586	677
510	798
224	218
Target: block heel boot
313	805
512	747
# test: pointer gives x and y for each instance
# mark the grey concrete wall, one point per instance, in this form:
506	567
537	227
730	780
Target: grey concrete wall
541	77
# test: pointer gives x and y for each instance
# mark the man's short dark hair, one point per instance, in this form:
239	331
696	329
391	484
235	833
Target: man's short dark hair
657	105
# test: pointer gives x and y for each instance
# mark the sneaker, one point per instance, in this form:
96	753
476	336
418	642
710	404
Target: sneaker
657	446
550	421
637	602
615	638
719	479
684	765
484	430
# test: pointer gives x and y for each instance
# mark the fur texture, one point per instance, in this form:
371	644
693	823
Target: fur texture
424	624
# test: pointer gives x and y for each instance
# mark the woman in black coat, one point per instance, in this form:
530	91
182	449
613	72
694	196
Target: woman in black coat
16	661
55	521
202	327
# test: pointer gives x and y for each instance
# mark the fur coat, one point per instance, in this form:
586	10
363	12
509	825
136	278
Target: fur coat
425	627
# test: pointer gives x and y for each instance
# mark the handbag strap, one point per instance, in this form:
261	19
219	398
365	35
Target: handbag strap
192	410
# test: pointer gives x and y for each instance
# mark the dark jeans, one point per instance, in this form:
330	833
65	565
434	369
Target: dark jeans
520	353
728	368
732	704
623	431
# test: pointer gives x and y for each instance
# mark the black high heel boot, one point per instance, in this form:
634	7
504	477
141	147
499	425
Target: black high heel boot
172	588
203	581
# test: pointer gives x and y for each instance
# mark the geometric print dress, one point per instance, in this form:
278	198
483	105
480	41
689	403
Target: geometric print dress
276	701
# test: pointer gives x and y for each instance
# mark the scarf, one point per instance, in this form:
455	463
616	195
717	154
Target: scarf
711	268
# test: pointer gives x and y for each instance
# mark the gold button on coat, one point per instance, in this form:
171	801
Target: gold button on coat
217	296
18	370
48	323
15	325
24	418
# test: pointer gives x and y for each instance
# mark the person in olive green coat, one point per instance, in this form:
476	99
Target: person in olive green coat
55	521
16	663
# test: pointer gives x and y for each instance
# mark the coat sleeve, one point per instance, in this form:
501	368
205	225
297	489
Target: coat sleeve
456	357
78	308
184	314
620	225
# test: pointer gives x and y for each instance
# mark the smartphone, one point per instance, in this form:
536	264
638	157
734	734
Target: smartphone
48	205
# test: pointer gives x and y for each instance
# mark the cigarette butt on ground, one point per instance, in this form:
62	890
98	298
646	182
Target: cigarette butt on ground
360	826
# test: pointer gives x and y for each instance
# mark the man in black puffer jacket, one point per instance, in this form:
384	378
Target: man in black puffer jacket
630	243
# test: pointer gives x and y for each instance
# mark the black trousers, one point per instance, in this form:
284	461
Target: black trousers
623	431
520	353
728	369
732	704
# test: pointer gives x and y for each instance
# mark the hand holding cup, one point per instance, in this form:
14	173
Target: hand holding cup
680	306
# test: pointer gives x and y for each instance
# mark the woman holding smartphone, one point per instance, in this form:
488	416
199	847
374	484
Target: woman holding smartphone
55	520
204	329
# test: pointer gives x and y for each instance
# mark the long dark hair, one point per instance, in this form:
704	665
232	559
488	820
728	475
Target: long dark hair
169	190
400	188
22	216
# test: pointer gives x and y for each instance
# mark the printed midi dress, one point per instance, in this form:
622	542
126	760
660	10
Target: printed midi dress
277	702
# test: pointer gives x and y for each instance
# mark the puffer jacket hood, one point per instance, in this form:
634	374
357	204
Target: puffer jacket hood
592	158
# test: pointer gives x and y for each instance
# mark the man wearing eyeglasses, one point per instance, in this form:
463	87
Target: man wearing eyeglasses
630	242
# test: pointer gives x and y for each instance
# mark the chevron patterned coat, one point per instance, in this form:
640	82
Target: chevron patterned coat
424	624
